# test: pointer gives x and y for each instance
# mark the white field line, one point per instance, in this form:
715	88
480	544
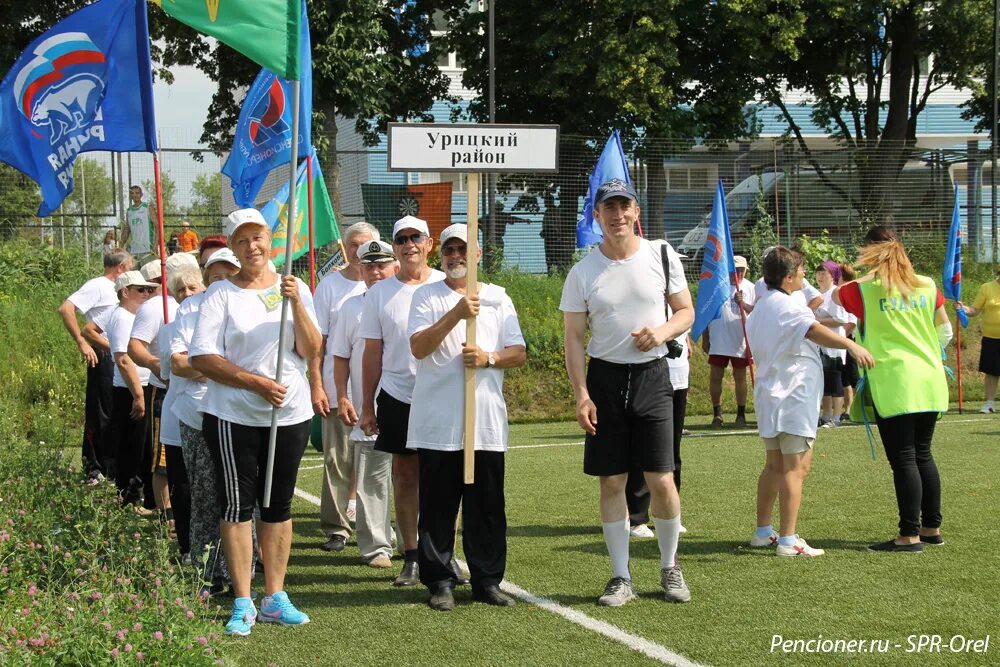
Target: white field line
943	422
301	468
641	645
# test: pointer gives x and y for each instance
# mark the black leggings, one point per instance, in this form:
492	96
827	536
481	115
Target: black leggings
907	443
128	436
180	495
636	493
240	456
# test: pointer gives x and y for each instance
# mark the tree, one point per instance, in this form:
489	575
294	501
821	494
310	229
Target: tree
869	68
19	198
370	63
592	68
206	201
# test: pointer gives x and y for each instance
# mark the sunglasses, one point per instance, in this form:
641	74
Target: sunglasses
450	250
144	290
403	238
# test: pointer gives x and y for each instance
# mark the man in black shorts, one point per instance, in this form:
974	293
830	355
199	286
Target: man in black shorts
389	367
624	400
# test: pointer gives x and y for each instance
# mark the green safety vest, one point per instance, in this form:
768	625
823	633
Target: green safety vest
900	333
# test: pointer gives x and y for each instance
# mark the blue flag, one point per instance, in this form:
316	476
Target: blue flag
263	138
611	164
951	276
717	267
83	85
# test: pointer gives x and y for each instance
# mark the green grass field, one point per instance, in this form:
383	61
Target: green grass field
741	597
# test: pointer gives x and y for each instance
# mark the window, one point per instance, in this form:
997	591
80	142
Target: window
696	178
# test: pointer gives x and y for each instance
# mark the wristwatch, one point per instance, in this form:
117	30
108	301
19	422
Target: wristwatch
490	360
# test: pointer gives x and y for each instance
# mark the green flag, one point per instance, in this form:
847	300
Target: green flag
266	31
325	229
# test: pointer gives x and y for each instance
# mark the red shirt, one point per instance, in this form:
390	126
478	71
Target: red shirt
850	299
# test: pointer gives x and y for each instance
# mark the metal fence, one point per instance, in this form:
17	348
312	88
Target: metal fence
774	191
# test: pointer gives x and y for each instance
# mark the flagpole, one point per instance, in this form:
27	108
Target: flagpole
312	242
159	225
958	352
292	168
471	289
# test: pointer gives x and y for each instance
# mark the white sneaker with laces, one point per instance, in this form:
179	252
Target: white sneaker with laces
988	409
800	548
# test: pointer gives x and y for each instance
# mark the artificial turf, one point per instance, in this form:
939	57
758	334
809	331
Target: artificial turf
741	597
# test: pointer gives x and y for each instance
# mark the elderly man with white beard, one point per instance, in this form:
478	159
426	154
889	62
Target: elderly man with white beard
437	331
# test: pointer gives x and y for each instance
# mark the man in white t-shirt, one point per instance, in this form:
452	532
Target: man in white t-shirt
139	234
784	335
372	470
437	331
143	347
725	345
336	508
389	368
95	297
624	399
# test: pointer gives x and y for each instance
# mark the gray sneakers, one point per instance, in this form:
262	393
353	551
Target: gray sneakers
618	592
674	588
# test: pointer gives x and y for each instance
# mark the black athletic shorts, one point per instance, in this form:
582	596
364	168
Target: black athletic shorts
634	418
833	376
392	417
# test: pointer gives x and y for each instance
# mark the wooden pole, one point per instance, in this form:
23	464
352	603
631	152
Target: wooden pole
159	226
472	285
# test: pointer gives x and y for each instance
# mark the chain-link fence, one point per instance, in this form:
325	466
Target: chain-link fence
775	191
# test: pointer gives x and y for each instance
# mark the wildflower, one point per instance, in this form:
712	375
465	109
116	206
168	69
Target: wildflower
4	536
158	636
32	591
114	653
139	656
202	640
189	614
25	611
179	602
128	648
137	627
121	635
96	595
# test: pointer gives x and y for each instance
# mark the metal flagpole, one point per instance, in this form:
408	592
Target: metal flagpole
958	354
287	271
312	241
83	216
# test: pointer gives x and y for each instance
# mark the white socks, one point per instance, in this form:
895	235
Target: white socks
616	537
667	532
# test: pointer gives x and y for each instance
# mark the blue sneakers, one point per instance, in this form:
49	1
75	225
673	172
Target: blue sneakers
243	618
278	608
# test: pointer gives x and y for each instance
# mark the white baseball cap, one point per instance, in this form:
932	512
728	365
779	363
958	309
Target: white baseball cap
223	255
244	216
457	231
151	270
179	260
132	279
410	222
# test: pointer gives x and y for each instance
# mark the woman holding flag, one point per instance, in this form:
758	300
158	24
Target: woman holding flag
903	324
988	303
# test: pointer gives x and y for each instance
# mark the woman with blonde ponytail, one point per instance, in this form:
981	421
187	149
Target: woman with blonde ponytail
903	324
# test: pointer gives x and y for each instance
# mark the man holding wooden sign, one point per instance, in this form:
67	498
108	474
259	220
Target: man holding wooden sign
437	331
624	400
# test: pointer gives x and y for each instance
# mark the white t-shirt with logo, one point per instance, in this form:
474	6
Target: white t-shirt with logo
789	383
385	318
725	333
331	293
188	405
344	342
806	294
620	297
148	320
94	297
117	326
242	325
436	414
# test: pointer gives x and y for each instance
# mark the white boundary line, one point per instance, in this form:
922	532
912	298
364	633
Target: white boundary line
639	644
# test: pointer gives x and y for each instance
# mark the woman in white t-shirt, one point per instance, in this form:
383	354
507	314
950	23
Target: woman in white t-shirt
220	264
236	346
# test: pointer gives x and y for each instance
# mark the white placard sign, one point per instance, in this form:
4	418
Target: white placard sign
473	148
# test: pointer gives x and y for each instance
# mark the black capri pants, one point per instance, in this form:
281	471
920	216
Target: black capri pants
239	453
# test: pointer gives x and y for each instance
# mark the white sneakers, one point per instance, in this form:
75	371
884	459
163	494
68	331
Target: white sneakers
641	531
769	541
799	549
988	409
